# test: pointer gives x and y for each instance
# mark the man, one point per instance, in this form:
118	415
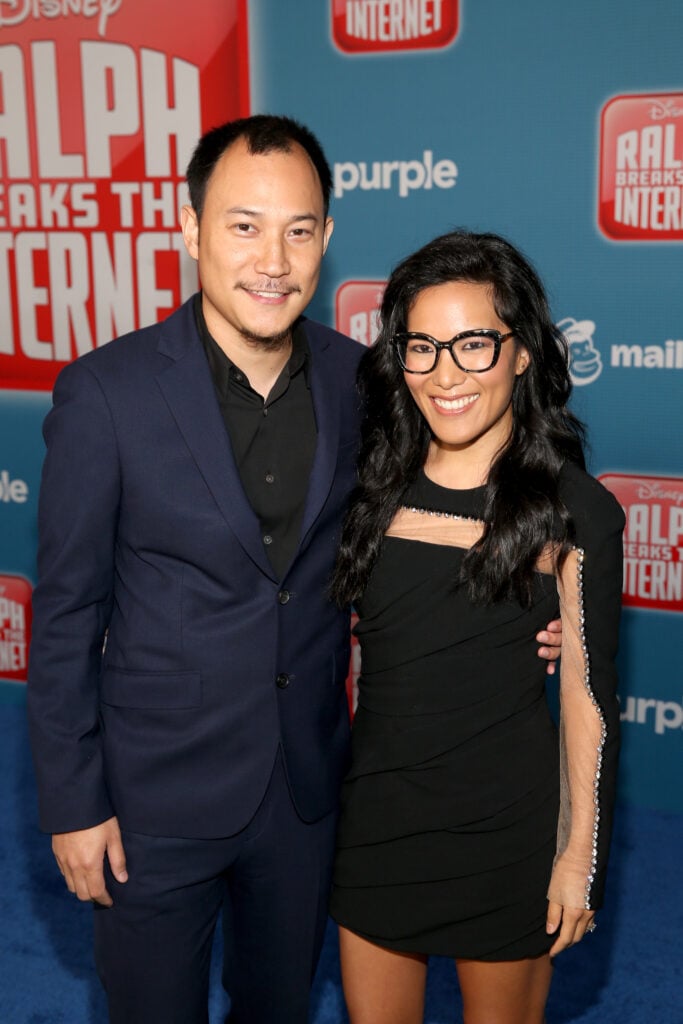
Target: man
186	692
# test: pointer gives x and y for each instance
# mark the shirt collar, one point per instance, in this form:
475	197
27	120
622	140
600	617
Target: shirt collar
222	367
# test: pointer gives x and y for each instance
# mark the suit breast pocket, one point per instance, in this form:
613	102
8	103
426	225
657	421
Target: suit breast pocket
123	688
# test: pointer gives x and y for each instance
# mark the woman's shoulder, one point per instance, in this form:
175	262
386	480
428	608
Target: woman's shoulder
594	509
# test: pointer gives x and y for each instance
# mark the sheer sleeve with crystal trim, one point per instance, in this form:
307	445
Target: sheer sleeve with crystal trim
589	588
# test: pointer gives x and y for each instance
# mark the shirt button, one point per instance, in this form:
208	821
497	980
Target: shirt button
282	680
270	479
284	596
238	376
267	539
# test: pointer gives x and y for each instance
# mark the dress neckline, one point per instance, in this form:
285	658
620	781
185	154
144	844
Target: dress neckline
450	490
425	493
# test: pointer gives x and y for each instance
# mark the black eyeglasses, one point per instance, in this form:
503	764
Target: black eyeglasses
473	351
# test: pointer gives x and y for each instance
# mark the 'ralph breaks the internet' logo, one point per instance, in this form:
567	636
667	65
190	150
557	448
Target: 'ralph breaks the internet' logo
641	168
357	310
653	539
15	627
376	26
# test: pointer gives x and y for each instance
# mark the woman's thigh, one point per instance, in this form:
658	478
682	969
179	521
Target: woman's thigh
504	992
381	986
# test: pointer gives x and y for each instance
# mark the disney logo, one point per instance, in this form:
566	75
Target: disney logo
649	491
665	108
14	12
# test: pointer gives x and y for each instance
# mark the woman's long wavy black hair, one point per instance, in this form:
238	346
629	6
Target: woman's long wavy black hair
523	510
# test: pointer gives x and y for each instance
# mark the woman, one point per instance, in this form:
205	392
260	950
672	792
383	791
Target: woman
467	829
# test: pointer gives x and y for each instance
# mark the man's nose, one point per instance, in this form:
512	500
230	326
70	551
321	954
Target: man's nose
272	259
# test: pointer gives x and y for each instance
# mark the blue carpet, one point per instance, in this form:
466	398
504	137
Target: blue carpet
628	972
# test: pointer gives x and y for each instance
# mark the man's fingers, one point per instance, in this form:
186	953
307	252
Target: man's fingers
551	636
80	856
69	879
117	858
97	890
90	887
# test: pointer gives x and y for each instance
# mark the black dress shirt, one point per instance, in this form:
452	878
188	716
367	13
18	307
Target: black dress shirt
273	440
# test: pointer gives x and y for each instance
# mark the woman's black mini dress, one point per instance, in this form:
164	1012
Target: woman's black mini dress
449	822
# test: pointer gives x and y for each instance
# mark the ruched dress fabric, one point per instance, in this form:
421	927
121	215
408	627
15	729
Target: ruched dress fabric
454	800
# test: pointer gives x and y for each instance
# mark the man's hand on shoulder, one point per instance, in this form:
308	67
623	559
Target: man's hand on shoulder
80	856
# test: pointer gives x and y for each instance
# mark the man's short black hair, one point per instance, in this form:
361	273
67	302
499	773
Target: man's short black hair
263	133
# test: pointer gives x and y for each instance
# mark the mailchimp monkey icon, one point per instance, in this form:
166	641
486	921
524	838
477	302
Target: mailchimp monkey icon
585	362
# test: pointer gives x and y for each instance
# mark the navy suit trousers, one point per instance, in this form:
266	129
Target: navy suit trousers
153	947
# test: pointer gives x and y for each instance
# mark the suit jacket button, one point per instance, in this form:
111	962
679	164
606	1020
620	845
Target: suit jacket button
282	680
284	596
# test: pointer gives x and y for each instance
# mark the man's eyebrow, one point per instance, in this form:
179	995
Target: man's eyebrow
245	212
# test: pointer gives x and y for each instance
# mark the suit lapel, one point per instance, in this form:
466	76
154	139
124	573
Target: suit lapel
188	389
326	405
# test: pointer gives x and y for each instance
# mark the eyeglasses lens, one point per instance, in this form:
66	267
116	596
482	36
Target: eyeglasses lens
472	352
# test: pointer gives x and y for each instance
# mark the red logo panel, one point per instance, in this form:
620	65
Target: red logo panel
98	121
357	309
641	168
15	627
377	26
653	539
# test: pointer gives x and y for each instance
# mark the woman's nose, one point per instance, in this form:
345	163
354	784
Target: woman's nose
447	373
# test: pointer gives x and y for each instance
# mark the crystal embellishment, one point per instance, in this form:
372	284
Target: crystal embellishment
603	730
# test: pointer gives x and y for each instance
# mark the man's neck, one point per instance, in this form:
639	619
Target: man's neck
260	361
261	364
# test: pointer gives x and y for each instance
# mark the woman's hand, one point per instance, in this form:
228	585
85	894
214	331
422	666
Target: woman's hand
566	919
570	924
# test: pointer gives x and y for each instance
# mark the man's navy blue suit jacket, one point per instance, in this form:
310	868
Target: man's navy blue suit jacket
148	540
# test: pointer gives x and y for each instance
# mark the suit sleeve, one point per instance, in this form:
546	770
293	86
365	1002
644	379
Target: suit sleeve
589	585
77	519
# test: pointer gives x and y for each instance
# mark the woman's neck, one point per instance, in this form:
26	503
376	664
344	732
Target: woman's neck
458	470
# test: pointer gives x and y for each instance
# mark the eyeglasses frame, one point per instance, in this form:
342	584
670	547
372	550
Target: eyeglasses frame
477	332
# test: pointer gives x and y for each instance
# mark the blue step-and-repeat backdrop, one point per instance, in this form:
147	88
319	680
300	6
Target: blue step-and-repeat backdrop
557	125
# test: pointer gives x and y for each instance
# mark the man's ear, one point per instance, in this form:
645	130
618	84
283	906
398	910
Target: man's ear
327	233
189	224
